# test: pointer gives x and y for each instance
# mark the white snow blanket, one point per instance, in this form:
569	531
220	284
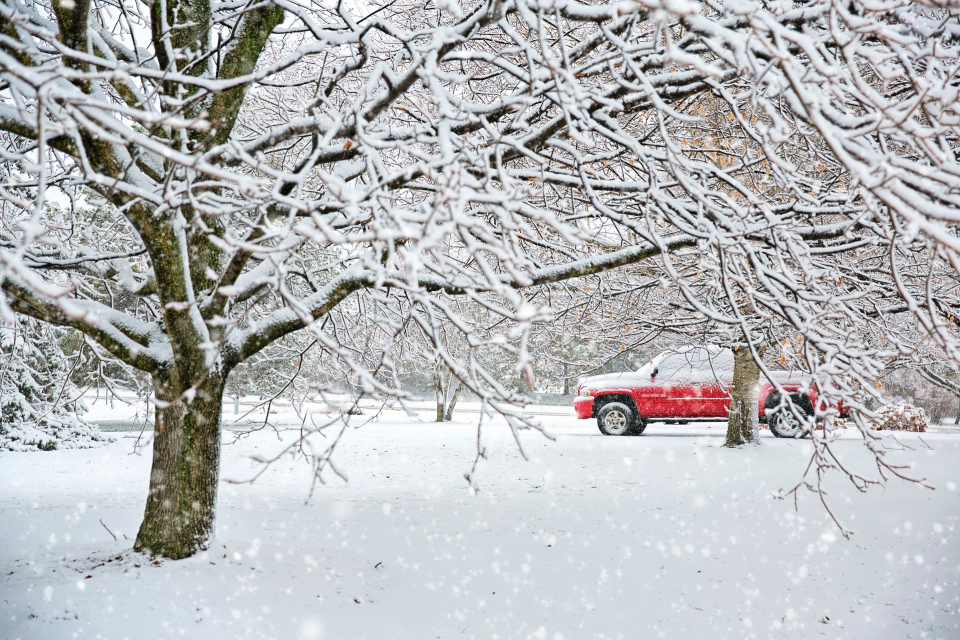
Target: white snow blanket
664	535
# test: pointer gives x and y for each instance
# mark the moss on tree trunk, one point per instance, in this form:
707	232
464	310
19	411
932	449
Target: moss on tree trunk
743	424
179	517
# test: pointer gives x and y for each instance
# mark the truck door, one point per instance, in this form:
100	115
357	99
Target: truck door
679	397
716	374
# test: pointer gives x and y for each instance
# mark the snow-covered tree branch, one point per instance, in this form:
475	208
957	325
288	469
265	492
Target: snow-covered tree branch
188	182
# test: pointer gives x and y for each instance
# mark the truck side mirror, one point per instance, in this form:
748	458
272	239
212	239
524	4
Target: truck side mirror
653	374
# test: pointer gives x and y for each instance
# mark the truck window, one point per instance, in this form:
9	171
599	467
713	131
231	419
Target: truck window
698	364
675	366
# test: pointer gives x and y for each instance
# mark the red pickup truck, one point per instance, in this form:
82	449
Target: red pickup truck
688	384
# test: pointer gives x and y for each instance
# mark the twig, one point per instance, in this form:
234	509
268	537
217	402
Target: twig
108	530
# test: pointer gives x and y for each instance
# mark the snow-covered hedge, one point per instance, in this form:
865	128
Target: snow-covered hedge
901	416
39	405
69	432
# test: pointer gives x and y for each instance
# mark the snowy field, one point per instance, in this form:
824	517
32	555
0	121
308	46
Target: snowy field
662	536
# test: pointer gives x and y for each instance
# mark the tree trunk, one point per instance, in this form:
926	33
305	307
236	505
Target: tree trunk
743	424
566	381
438	387
178	521
448	413
445	401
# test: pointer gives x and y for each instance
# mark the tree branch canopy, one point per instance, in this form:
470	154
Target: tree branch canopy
251	171
203	187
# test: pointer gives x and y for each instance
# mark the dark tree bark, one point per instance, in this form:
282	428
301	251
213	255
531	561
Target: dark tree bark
179	517
743	424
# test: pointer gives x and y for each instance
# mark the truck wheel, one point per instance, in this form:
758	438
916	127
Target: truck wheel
782	422
617	419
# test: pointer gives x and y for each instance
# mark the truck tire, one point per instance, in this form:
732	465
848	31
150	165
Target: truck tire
781	420
617	419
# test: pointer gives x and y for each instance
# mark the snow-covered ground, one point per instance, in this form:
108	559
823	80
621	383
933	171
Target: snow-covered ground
665	535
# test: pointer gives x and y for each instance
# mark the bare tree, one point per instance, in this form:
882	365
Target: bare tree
235	173
448	388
